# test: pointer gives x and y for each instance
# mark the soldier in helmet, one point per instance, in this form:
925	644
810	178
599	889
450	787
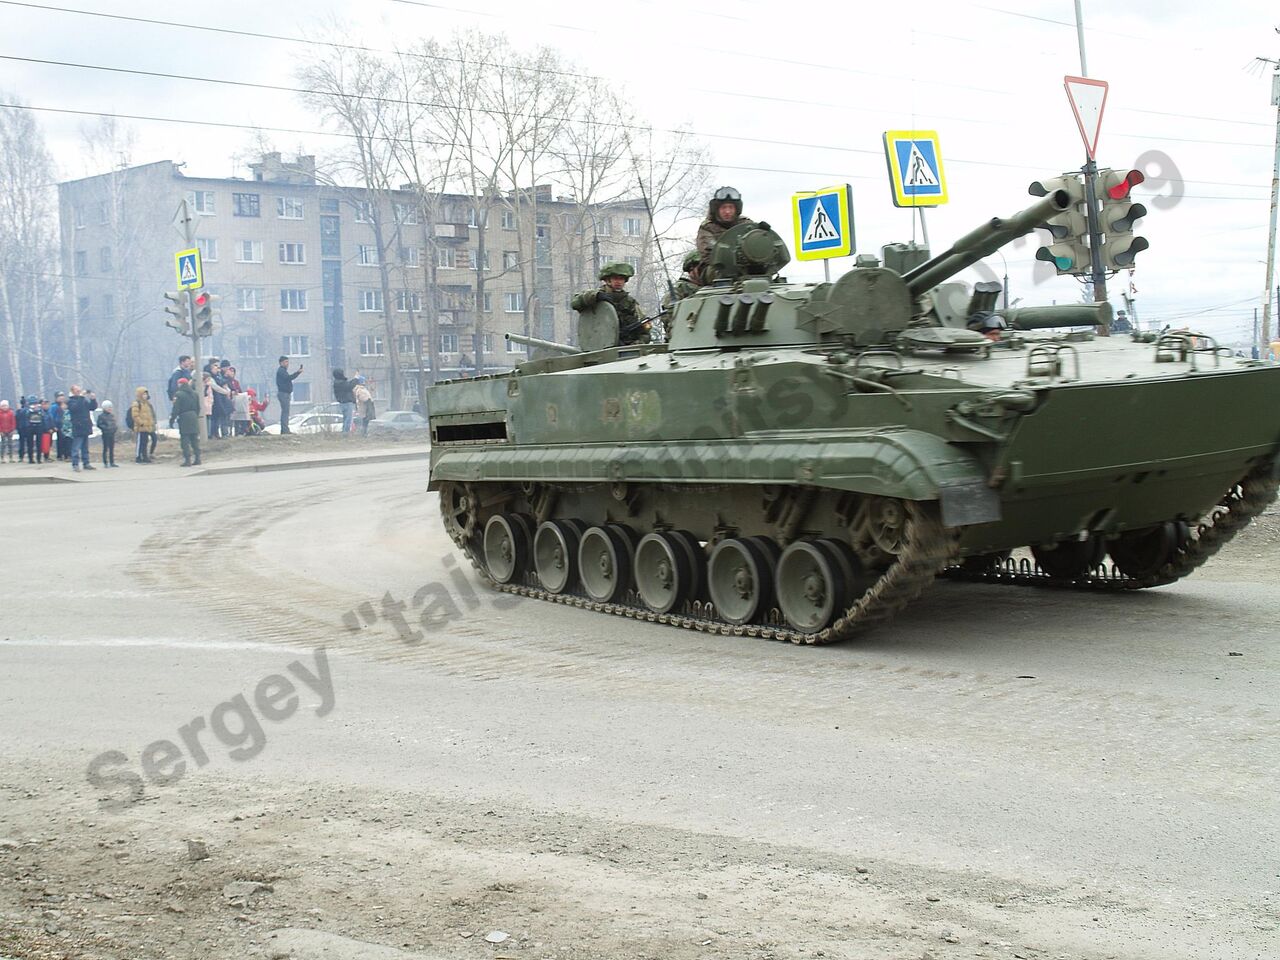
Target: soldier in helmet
632	327
724	211
689	281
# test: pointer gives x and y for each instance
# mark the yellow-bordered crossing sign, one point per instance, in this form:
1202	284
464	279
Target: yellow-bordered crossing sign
190	271
915	168
823	222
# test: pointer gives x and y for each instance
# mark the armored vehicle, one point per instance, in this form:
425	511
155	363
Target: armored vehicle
800	461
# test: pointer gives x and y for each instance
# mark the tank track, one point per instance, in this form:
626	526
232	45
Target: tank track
1244	501
928	548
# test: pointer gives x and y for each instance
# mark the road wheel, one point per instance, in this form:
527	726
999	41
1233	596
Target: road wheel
1069	559
668	571
604	562
740	579
555	554
507	541
1143	553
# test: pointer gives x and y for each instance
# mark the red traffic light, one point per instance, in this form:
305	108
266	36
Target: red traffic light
1121	189
202	299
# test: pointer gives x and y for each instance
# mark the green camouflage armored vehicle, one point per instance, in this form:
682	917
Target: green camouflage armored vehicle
800	461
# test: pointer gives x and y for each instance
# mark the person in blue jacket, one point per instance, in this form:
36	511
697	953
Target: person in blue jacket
38	424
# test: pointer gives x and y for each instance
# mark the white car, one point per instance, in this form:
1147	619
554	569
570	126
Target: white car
310	423
396	421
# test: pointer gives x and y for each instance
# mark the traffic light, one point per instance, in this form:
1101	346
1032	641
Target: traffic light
1069	250
1117	215
178	311
203	316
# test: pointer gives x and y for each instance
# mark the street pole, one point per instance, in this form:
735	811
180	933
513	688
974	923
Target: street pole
189	233
1090	171
1275	202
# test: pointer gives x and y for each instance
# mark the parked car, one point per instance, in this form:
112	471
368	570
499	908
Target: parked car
310	423
398	421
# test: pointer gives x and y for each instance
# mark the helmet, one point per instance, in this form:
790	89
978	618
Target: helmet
617	270
725	195
691	260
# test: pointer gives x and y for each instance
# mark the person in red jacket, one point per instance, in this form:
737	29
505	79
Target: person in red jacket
8	424
256	407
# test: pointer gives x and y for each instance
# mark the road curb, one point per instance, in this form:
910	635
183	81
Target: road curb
303	464
22	481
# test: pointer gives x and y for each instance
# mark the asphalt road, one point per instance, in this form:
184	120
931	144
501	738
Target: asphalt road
1000	772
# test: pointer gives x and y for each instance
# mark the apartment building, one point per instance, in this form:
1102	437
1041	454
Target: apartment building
398	285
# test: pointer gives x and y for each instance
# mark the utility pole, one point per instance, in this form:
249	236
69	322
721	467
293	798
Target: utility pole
1090	170
189	234
1275	202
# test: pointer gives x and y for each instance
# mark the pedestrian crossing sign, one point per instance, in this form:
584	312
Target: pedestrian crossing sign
915	168
823	223
190	274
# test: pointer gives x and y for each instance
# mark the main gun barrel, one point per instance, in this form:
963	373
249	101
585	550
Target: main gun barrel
1061	315
565	348
983	242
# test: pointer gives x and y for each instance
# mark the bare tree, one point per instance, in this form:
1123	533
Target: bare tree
28	249
356	91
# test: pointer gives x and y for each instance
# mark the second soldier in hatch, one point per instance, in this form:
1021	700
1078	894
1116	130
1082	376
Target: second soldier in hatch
632	326
689	282
723	212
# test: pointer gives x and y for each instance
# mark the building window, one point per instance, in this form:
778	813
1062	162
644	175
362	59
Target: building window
293	253
293	300
203	202
103	211
488	302
104	259
411	256
249	299
408	344
448	343
77	217
81	262
251	347
370	345
296	346
301	389
370	301
473	219
515	303
208	249
510	259
542	232
248	251
364	211
407	300
487	341
631	226
288	208
367	255
246	205
406	213
473	259
508	220
444	257
604	226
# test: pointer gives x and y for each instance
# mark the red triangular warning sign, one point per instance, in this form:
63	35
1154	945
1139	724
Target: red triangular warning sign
1088	99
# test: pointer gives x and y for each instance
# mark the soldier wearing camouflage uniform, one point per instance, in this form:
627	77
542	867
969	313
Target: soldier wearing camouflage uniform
723	212
632	327
689	281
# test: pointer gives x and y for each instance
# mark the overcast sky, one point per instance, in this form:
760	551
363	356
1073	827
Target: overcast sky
789	96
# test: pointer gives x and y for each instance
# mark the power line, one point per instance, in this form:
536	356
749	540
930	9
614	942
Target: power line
280	88
258	35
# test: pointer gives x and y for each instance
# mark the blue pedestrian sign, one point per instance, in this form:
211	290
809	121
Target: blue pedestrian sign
823	223
915	168
188	267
